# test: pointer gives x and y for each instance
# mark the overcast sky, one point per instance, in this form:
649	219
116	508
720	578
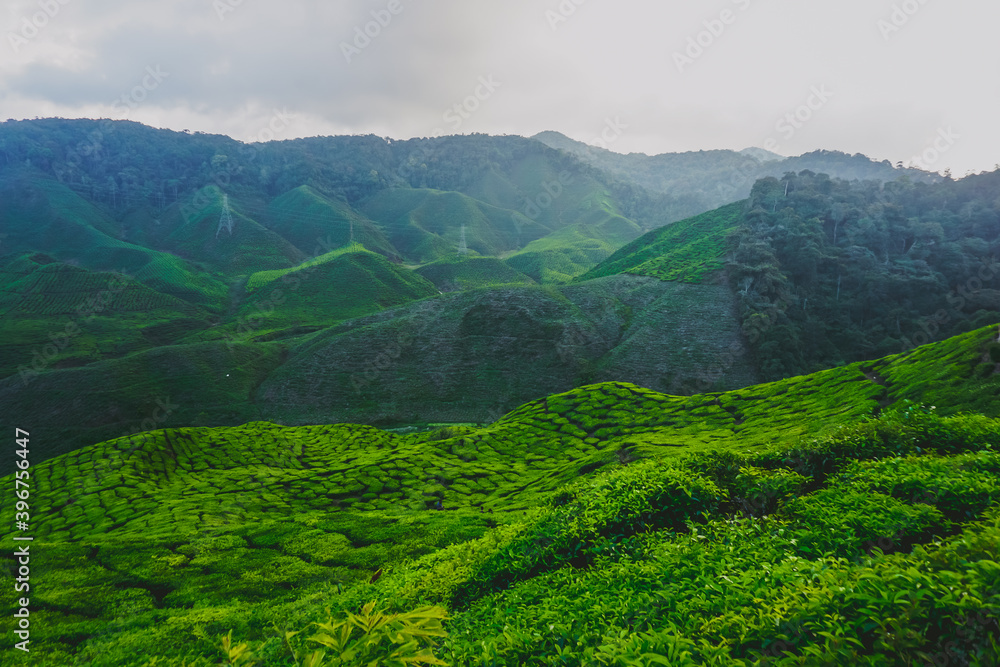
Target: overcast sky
886	78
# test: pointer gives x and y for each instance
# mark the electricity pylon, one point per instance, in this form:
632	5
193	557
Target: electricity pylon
226	219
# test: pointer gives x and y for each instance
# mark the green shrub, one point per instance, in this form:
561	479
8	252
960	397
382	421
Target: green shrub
846	522
994	352
757	491
909	430
960	486
596	520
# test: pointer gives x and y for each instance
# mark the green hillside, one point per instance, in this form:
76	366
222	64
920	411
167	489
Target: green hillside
463	272
203	383
688	251
466	356
195	232
40	215
426	225
472	356
592	527
309	220
343	284
571	251
54	315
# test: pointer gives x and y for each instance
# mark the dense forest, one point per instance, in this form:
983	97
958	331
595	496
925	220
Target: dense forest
829	272
124	164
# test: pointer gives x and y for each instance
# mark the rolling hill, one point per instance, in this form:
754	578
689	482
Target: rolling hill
829	491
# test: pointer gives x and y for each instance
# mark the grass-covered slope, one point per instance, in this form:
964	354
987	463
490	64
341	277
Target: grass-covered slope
571	251
55	315
340	285
426	225
772	514
471	356
688	251
307	219
40	215
463	272
194	232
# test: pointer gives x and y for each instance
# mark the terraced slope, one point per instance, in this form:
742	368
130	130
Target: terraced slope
55	315
170	538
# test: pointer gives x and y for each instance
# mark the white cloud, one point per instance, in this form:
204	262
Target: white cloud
605	60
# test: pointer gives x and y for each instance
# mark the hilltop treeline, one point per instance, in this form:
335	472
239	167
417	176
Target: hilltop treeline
829	272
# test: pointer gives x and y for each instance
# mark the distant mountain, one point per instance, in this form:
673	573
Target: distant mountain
828	272
364	279
695	182
761	155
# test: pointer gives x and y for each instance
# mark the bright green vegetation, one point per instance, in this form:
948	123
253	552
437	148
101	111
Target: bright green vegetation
714	525
339	286
687	251
262	278
569	252
583	467
463	272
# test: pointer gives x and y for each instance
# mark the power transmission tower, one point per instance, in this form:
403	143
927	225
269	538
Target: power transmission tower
463	247
226	219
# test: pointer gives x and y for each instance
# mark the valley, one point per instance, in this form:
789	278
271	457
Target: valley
497	400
